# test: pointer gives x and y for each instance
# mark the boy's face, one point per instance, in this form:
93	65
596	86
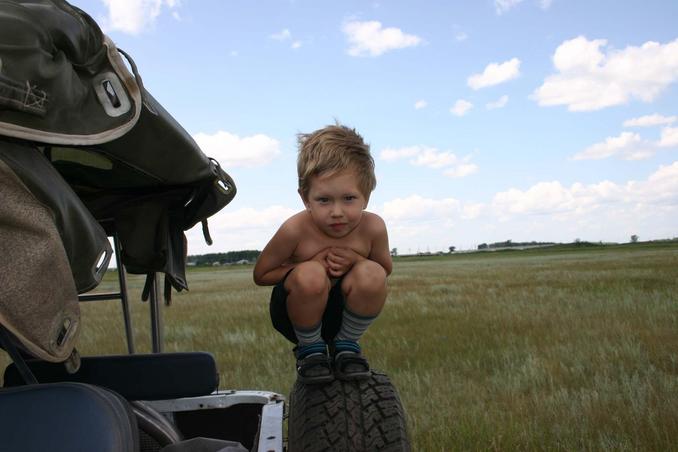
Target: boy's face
335	202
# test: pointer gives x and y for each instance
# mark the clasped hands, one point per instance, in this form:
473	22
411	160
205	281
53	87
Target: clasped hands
337	260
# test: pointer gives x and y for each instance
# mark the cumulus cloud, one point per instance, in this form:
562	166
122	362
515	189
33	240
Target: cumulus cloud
371	39
591	76
414	221
495	73
629	146
462	169
501	6
545	4
285	35
669	137
499	103
418	105
240	229
552	198
461	107
134	16
232	151
416	207
650	120
282	35
430	157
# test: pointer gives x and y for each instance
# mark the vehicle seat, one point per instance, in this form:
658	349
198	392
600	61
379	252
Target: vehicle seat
154	376
65	417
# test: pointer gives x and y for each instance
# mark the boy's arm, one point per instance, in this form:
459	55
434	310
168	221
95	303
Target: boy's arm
380	252
273	263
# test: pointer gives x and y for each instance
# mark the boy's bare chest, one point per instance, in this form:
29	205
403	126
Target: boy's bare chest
313	242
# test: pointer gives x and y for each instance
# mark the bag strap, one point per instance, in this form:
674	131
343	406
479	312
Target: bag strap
22	367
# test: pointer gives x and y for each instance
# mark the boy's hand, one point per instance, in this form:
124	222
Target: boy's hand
321	257
340	260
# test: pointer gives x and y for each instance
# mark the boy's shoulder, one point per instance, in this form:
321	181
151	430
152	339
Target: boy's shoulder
297	222
373	222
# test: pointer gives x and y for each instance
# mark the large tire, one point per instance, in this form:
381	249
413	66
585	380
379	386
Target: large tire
347	416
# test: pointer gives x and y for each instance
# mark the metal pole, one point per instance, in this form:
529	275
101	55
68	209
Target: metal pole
156	316
122	279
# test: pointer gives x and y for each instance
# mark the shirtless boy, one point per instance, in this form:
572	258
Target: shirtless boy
329	262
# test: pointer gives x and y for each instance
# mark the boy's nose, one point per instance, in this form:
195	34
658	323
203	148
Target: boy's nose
336	210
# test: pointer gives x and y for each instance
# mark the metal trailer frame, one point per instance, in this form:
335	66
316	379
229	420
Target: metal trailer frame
270	431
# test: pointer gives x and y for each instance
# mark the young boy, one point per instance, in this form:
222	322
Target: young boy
329	262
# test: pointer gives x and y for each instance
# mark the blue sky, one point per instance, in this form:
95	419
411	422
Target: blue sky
488	120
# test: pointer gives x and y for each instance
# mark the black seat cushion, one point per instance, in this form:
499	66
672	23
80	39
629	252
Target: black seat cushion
135	377
65	417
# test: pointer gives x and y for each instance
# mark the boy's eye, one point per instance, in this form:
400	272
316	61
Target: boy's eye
322	200
350	198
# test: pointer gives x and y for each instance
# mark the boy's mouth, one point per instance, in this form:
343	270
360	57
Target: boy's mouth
337	225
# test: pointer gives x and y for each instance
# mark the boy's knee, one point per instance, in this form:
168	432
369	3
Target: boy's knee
368	275
308	278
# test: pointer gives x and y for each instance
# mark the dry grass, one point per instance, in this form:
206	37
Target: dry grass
571	350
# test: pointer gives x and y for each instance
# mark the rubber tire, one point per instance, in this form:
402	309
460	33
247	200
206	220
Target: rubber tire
347	416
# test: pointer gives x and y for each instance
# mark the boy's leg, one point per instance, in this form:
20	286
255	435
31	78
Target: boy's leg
307	289
364	289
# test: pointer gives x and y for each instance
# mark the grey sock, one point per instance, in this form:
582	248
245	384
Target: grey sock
353	325
308	336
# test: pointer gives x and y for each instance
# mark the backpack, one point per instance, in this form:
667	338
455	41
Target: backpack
98	156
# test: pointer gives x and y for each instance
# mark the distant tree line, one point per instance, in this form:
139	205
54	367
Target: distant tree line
510	244
230	257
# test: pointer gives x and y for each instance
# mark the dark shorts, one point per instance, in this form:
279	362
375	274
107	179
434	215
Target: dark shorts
331	318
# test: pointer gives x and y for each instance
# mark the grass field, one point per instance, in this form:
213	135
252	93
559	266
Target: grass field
571	349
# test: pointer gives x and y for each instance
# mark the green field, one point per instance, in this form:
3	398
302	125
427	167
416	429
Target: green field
564	349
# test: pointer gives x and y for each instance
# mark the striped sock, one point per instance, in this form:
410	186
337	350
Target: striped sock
353	326
310	341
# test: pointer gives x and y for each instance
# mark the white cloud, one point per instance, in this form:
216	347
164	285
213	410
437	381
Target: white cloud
472	211
461	170
460	36
499	103
495	73
591	77
431	157
285	35
282	35
371	39
552	198
461	107
501	6
240	229
545	4
390	154
416	222
135	16
415	207
650	120
418	105
669	137
630	146
231	151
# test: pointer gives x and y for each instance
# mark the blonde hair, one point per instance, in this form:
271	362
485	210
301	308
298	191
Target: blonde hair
331	149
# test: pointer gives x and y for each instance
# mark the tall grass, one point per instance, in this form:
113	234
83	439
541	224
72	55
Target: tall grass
529	350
